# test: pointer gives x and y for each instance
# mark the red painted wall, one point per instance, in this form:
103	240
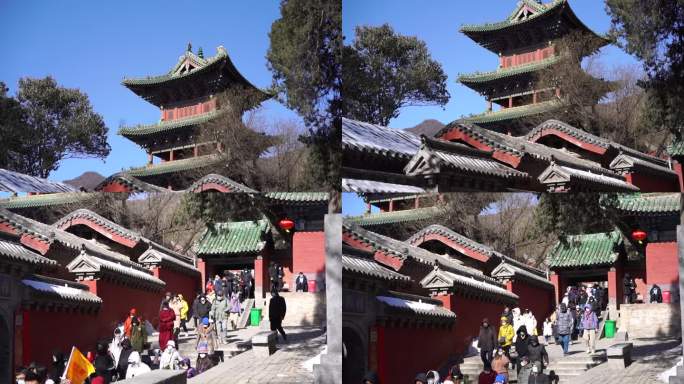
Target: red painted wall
404	352
46	331
649	183
308	253
678	169
115	187
179	282
662	263
117	301
539	300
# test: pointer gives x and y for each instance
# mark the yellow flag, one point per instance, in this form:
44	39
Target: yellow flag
78	369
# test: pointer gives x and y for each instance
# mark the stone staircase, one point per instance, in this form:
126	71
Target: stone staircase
303	309
472	366
575	364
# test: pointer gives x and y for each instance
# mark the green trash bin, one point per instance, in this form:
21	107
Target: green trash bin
255	317
610	329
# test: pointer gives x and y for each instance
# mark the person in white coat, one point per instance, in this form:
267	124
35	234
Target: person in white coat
170	358
135	366
115	346
518	321
530	322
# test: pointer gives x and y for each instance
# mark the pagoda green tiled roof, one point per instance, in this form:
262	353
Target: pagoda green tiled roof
513	113
234	238
393	217
203	65
484	77
173	166
649	203
46	200
166	126
510	21
586	250
676	148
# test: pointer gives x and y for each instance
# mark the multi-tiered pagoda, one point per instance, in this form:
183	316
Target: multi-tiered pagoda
526	43
187	98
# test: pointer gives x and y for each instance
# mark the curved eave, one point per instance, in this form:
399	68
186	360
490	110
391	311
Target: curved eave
489	35
513	113
173	166
144	132
146	87
484	80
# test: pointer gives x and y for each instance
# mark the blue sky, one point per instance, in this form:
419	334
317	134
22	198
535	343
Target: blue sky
92	45
437	22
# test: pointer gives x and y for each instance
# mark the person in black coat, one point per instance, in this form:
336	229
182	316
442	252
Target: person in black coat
656	294
301	284
276	313
58	365
521	344
202	309
273	276
126	349
486	341
536	352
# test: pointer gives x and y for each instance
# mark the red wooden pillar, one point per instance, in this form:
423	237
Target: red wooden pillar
261	285
534	97
557	286
373	349
195	151
510	101
417	204
202	266
368	208
613	283
391	205
26	357
678	170
171	155
381	355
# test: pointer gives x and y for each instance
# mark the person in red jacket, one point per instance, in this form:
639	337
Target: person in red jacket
487	376
127	323
166	319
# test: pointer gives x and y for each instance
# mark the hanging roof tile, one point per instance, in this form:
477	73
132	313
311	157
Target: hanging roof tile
502	73
16	182
133	184
86	264
373	138
584	180
234	238
212	178
297	197
403	216
513	113
649	203
369	267
16	252
371	186
46	200
174	166
586	250
59	290
166	126
436	156
417	308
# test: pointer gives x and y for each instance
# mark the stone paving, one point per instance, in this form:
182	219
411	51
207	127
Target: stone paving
650	358
284	366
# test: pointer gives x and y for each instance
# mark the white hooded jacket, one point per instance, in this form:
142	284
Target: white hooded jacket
115	345
135	366
170	357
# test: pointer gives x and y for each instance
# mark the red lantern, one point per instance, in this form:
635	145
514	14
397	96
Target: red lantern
639	235
286	224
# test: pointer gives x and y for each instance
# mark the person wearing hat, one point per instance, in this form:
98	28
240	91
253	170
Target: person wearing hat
500	379
486	341
127	323
589	325
170	358
166	320
525	370
135	366
506	335
138	334
565	322
421	378
206	339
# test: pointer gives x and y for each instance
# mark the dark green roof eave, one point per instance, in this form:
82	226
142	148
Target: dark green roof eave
512	113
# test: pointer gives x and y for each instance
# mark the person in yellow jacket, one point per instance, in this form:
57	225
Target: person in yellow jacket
505	338
183	312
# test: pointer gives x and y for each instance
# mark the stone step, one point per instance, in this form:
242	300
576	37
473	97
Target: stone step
568	365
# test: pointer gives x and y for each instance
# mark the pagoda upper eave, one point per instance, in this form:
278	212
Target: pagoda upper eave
552	21
502	77
210	77
141	134
513	113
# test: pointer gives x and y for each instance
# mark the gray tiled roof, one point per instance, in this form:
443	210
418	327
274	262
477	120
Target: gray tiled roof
370	267
510	270
371	186
440	155
404	305
14	251
16	182
450	278
66	222
366	137
598	182
234	186
56	289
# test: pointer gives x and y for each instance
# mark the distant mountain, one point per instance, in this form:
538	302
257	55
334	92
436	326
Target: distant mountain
87	181
428	128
